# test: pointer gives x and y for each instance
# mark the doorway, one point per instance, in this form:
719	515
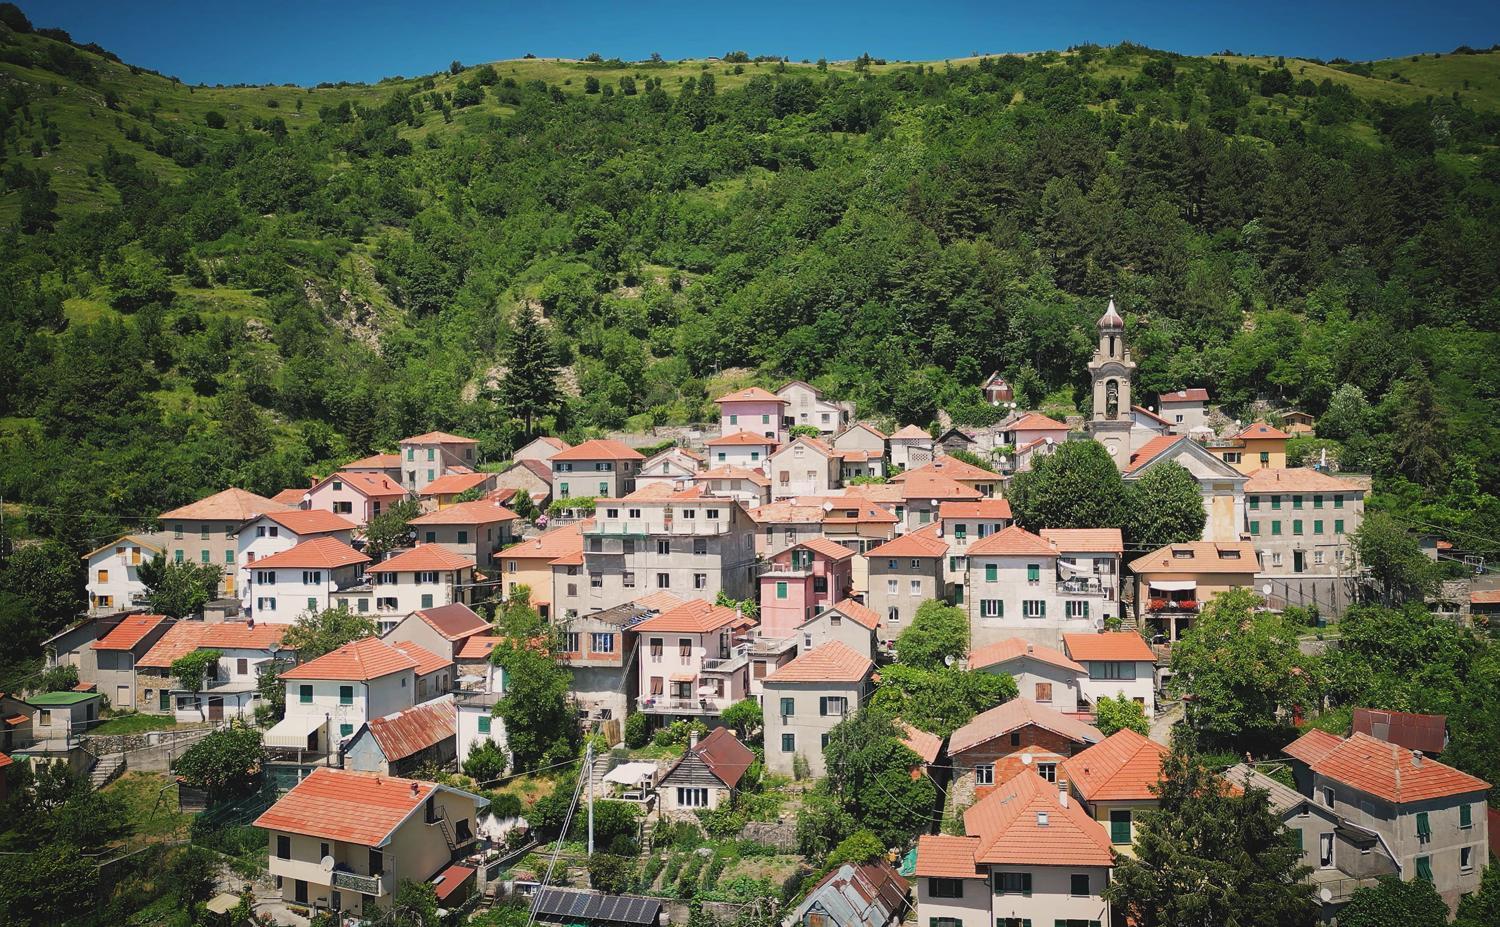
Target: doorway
215	708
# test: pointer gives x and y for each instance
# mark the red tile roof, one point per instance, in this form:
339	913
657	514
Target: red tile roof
1036	421
1123	767
5	761
1297	479
752	394
1108	645
1151	415
830	549
1199	557
1312	746
454	483
359	808
911	433
478	647
855	611
369	485
1012	541
728	472
454	622
658	601
1086	540
946	857
559	542
302	522
291	497
1015	648
936	486
923	744
1008	823
1261	431
1014	715
233	504
1151	450
412	730
426	660
424	557
952	468
1484	597
1185	395
832	662
741	438
185	636
475	512
695	617
1392	772
375	462
129	632
359	661
982	508
438	437
325	553
924	542
599	449
866	427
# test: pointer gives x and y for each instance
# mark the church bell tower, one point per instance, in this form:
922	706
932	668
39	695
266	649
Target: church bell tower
1112	371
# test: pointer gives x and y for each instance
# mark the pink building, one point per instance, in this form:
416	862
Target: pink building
690	664
802	581
754	410
355	495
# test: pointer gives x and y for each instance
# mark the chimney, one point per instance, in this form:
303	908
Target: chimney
1030	648
1062	792
693	740
415	789
1416	758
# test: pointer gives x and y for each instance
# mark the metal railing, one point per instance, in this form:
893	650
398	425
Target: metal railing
364	884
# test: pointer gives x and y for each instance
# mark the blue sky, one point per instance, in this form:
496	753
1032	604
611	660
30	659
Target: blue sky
277	41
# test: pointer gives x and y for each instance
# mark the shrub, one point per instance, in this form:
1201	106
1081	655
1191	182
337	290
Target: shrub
635	731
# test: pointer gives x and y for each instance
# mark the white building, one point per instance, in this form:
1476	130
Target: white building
328	698
743	449
303	579
804	467
806	699
426	576
1118	663
114	580
1044	675
806	405
1025	585
274	532
246	651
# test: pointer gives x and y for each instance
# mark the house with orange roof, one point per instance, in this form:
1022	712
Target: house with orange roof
110	663
475	530
442	630
207	531
750	488
247	651
673	467
345	841
745	449
1221	485
1033	427
424	576
801	581
1254	447
1430	815
1149	423
1172	583
755	410
329	697
685	543
1119	664
804	467
1018	737
707	776
911	446
923	493
533	476
1186	409
1038	587
691	665
356	495
291	498
903	573
1043	674
986	482
1301	521
445	490
965	522
598	468
805	699
428	456
542	448
1031	855
846	622
1114	781
806	405
274	532
114	581
599	651
382	464
305	578
529	563
783	524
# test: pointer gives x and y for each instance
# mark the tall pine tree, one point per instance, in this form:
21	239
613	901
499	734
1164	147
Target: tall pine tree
529	390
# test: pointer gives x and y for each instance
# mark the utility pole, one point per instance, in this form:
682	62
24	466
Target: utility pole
588	766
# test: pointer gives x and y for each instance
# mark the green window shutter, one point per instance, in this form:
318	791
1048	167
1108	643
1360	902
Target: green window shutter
1033	572
1424	867
1338	526
1465	816
1317	500
1255	527
463	537
1338	501
788	707
1026	884
991	572
1296	526
165	704
1119	827
1255	502
1296	502
1317	526
346	695
1424	825
304	695
823	706
345	730
484	724
427	600
1275	528
781	590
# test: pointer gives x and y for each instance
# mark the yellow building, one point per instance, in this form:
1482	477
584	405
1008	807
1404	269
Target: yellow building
1174	582
529	563
1257	446
1113	780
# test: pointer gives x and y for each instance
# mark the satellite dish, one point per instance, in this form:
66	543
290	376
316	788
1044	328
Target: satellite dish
1111	448
1266	589
1025	759
1325	894
828	506
326	864
934	503
1002	460
948	660
1049	441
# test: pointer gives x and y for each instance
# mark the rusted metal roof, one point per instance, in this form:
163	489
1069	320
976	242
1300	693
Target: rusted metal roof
1428	733
414	729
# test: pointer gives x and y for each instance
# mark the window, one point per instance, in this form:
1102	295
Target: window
833	706
265	576
788	743
283	846
628	580
265	604
570	641
684	647
343	508
892	565
1076	609
602	642
596	580
1119	827
663	581
1338	526
1111	669
692	798
345	730
663	547
788	707
1048	771
1254	502
1465	816
781	590
700	580
1466	858
463	537
304	694
1043	692
1296	502
427	600
1424	828
203	556
1013	883
656	648
1033	573
893	615
103	576
1276	503
1424	867
312	577
1033	608
984	774
1317	526
916	587
991	572
1232	457
892	586
346	695
1275	528
700	546
1078	885
945	888
484	724
177	554
1327	796
1296	526
734	419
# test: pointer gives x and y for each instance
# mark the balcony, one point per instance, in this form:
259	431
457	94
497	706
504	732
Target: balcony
666	705
373	885
1172	605
1087	585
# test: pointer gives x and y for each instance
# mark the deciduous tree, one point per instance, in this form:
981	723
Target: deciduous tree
938	636
316	633
1076	486
1164	506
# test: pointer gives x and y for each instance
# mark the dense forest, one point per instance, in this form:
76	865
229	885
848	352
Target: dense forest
202	286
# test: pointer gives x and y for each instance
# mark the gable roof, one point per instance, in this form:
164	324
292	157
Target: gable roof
697	616
1036	421
357	661
813	443
943	856
552	442
1261	431
541	469
438	437
369	485
738	438
858	895
478	646
359	808
549	545
375	462
832	662
454	622
724	756
148	541
936	486
1012	541
1151	450
1015	714
980	508
1392	772
424	557
828	548
951	467
752	394
1122	767
910	433
854	611
426	660
867	427
923	743
232	504
129	632
186	636
290	497
599	449
1008	824
1086	540
473	512
1139	410
403	733
321	552
454	483
1200	557
303	522
1195	394
731	472
1312	746
1297	479
924	542
1015	648
1108	645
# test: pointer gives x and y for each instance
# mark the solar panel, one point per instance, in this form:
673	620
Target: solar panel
568	905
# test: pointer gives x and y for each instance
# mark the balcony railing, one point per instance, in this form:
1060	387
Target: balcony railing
662	704
1083	585
1172	605
354	882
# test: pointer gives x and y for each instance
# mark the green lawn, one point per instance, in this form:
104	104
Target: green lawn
134	724
151	807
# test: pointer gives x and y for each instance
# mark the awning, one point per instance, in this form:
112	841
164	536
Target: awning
1174	585
683	677
631	773
292	731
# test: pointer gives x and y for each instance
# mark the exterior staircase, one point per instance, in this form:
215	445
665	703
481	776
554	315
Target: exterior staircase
110	765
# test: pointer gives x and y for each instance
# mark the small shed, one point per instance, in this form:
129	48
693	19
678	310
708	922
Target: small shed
708	773
398	743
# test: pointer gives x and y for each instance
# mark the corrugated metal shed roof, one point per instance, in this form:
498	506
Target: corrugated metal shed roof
414	729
